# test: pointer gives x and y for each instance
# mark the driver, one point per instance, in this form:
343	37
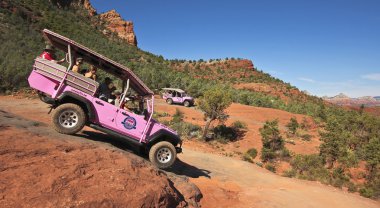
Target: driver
49	54
106	89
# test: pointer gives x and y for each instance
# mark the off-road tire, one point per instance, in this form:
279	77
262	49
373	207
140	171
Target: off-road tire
158	155
169	101
68	118
186	103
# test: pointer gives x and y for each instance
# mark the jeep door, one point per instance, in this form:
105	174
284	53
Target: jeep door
106	113
130	123
177	98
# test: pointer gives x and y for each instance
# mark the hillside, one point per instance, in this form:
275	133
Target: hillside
242	75
84	25
348	139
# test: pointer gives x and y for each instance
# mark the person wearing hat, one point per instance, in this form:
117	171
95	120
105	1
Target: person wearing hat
48	54
76	67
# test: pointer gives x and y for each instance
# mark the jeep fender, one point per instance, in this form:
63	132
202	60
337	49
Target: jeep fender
83	102
164	135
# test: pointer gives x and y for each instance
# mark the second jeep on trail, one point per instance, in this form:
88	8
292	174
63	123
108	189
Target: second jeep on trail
177	96
77	101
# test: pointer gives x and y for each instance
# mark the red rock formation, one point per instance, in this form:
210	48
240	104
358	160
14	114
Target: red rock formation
87	5
115	23
111	19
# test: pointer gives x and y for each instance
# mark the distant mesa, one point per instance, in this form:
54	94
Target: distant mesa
343	100
341	96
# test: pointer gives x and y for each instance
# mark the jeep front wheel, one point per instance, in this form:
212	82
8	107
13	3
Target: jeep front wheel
68	118
169	101
186	103
162	155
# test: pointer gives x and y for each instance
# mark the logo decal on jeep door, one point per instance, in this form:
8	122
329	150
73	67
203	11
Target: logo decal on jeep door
129	123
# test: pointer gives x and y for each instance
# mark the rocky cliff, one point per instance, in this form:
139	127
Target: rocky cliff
111	19
124	29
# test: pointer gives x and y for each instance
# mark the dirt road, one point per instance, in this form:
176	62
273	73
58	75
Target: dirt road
226	182
257	187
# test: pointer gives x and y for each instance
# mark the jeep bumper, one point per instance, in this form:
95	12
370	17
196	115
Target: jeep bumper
178	149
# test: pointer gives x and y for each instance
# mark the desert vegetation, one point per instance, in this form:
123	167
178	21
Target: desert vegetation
348	138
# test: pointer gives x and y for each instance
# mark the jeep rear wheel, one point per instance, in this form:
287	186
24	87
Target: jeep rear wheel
162	155
169	101
186	103
68	118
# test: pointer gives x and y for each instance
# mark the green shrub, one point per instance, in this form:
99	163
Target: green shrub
270	167
252	153
224	134
178	116
160	114
260	164
185	129
305	125
292	126
267	154
284	154
366	192
273	143
239	125
310	167
352	187
290	173
338	177
247	157
306	137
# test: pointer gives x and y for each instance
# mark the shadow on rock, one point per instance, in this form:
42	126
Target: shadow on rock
102	137
184	169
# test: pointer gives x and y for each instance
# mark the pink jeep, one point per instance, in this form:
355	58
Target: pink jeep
177	96
77	102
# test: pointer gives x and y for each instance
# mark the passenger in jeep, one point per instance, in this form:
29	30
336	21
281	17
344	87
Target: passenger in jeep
78	64
49	54
92	73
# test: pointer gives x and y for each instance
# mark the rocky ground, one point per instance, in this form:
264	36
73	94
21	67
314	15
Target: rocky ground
40	168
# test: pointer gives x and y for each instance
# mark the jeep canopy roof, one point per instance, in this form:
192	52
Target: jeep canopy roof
174	89
98	61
